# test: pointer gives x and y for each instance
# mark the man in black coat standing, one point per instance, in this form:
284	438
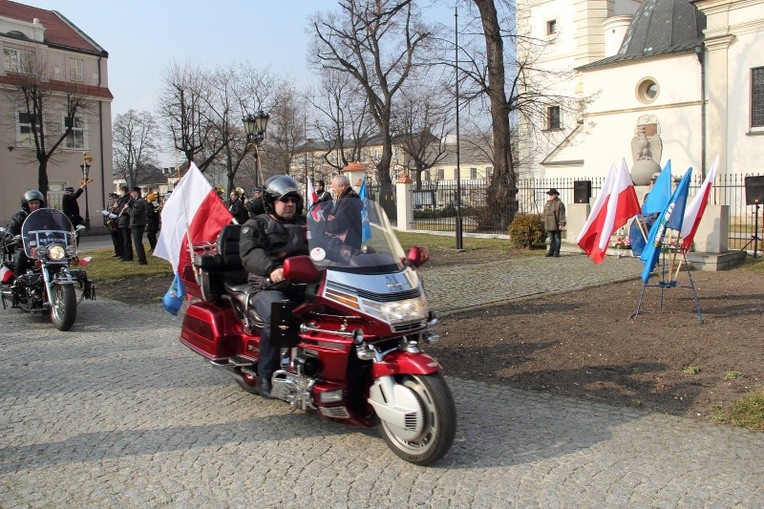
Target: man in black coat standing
71	208
123	223
138	223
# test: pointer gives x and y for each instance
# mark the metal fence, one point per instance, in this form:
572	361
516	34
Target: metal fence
434	203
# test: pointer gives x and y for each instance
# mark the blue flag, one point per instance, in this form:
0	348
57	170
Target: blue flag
365	226
660	193
670	216
173	299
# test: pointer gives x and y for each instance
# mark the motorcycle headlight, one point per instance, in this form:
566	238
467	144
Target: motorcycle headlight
71	250
399	311
56	253
40	252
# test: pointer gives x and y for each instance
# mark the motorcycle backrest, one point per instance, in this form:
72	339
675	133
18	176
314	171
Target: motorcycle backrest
228	248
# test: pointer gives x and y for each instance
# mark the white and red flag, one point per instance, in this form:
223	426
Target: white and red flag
312	196
695	209
615	204
192	214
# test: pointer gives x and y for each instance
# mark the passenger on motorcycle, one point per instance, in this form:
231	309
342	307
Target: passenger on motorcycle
30	201
265	242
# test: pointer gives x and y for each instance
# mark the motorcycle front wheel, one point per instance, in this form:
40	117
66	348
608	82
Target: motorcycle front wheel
439	412
63	310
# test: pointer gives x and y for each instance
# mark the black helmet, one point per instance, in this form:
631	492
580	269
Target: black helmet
278	186
32	194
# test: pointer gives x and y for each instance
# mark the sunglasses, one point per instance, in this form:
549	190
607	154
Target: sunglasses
288	199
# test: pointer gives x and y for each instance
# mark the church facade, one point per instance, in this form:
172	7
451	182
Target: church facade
651	80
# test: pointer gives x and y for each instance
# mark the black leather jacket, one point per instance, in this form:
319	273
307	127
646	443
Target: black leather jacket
265	242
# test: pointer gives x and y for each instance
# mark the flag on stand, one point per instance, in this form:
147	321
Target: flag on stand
667	219
193	214
365	226
660	194
694	211
615	204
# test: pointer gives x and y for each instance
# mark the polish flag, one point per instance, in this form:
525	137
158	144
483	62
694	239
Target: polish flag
311	192
615	204
192	214
695	209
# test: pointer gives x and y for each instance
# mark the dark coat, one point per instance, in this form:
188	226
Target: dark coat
265	242
71	208
553	215
123	221
344	219
153	218
14	227
238	211
138	213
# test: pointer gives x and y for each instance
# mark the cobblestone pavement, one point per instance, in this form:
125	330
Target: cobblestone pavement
117	413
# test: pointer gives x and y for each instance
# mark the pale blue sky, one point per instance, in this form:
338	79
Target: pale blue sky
143	37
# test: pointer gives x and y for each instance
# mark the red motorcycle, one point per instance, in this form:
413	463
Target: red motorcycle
351	348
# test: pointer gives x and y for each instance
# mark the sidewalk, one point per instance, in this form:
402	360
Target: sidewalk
453	289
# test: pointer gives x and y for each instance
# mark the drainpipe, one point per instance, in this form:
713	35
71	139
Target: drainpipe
100	135
699	52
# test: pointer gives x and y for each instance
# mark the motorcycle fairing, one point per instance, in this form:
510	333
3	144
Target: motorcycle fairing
399	362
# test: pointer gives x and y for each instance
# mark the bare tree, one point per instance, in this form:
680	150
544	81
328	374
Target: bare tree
377	42
421	124
42	101
134	145
183	105
525	94
343	122
286	128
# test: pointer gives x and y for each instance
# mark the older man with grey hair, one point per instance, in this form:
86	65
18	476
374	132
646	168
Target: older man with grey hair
344	217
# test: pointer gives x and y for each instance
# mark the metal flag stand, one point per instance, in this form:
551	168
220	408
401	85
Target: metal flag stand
667	269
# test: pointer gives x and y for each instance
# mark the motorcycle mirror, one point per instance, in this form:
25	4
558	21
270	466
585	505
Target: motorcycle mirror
418	255
300	269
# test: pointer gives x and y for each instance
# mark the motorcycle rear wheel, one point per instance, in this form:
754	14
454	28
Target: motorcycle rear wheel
437	404
64	308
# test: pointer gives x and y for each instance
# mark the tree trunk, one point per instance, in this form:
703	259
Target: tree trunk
502	193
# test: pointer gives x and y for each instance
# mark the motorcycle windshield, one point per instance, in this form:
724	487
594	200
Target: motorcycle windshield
44	227
356	238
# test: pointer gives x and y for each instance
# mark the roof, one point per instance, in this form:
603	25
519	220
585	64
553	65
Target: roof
59	31
659	27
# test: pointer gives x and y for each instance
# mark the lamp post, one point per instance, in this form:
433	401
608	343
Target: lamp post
254	127
85	166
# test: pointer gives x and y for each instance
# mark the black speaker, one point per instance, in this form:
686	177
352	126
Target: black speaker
754	190
582	191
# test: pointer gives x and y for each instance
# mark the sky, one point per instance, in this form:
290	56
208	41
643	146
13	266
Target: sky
144	37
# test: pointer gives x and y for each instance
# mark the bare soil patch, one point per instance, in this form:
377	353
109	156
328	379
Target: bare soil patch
585	344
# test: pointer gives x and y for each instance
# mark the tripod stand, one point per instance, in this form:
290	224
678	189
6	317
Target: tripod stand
755	238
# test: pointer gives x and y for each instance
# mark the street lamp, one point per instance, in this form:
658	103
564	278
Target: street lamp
254	127
85	166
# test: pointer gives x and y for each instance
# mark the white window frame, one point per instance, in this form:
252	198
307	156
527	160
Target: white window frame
16	60
24	136
79	132
76	69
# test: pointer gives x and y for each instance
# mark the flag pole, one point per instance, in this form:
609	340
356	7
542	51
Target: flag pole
641	227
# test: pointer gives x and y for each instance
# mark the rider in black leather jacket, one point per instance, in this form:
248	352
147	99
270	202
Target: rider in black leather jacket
264	243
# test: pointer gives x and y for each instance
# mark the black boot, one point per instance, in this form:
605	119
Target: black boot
265	388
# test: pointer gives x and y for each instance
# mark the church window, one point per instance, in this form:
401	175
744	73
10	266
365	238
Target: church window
647	90
553	117
757	97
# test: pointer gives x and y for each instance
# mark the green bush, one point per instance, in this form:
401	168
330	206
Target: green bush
527	231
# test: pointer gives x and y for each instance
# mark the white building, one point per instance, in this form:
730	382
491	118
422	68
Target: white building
689	73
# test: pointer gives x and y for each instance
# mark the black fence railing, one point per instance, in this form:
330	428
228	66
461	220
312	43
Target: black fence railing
435	204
